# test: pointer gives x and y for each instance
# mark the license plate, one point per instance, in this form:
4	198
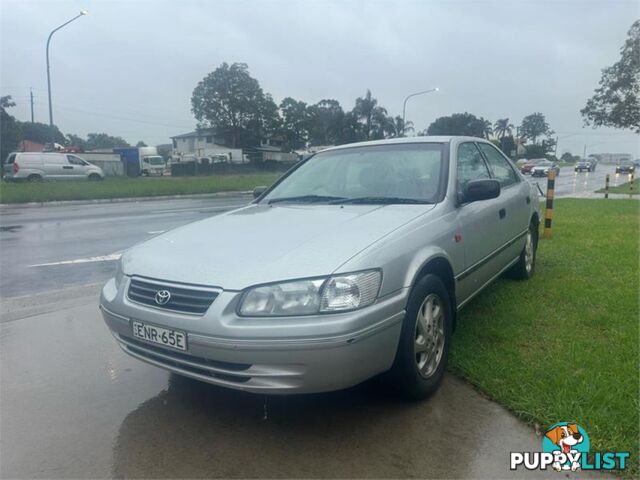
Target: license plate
161	336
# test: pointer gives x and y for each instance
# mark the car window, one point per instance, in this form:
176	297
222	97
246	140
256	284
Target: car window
502	169
403	170
75	160
471	165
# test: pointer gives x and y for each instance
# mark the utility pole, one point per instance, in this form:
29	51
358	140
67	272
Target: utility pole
584	153
31	95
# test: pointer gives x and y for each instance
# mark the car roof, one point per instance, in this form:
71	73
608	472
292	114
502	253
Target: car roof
393	141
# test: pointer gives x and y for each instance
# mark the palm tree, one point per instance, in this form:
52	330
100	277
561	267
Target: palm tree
399	128
487	129
503	128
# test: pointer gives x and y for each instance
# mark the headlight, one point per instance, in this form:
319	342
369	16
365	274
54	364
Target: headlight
337	293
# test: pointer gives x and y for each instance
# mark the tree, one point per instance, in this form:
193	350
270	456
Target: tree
458	124
10	130
399	127
502	128
141	144
6	102
326	123
76	141
230	101
372	116
103	141
535	126
541	149
508	145
488	128
294	122
616	102
42	133
569	158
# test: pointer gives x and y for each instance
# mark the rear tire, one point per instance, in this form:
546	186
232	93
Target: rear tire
526	266
34	178
423	349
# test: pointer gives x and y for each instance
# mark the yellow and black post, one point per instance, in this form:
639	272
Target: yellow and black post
606	187
631	178
548	212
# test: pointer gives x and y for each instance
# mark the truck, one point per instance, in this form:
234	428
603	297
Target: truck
141	160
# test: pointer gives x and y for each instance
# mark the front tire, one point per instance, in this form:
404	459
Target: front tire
423	349
526	265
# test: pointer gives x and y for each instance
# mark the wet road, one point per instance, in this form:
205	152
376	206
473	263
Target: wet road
583	184
78	243
75	406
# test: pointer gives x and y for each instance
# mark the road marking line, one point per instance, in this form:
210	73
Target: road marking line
155	232
100	258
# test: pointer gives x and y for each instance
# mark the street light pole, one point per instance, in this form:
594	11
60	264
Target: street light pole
404	105
81	14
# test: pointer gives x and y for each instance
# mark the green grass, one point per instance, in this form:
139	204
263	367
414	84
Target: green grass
625	188
130	187
564	345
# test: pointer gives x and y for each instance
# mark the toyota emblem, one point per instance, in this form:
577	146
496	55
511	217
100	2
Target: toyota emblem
163	297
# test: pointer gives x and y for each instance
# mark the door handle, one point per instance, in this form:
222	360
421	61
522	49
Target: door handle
68	167
502	213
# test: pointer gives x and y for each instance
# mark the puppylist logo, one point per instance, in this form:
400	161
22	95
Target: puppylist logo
566	446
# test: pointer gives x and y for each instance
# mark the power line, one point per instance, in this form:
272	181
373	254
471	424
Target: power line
118	117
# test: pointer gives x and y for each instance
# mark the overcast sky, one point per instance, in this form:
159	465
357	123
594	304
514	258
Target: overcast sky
129	67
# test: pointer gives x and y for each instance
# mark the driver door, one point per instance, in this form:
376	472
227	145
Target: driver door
478	224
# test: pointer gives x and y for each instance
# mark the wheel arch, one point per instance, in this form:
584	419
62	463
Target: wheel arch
440	266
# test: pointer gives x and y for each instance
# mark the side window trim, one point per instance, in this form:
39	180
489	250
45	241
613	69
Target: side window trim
486	160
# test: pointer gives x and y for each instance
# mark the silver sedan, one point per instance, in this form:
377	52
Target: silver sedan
353	264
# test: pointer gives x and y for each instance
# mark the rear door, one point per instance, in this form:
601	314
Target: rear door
479	225
515	200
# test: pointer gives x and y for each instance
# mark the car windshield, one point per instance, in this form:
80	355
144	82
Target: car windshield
155	160
397	173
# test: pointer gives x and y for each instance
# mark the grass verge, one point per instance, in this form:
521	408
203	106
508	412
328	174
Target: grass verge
564	345
624	188
130	187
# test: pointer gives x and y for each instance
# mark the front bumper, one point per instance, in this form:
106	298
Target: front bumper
275	355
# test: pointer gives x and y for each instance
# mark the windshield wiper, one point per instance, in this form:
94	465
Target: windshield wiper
307	199
380	200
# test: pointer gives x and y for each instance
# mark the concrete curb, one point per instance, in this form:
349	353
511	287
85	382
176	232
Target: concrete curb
98	201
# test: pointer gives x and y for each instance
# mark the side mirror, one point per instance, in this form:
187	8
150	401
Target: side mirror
259	191
483	189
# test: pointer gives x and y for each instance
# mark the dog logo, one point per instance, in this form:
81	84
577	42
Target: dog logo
163	297
565	446
566	438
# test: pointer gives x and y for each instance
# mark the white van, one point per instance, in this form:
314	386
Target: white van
38	166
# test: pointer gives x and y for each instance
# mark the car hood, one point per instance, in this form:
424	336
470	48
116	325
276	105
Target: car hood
260	244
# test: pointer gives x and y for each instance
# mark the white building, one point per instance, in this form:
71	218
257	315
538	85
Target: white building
202	143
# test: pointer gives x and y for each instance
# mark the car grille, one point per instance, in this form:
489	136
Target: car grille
185	299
